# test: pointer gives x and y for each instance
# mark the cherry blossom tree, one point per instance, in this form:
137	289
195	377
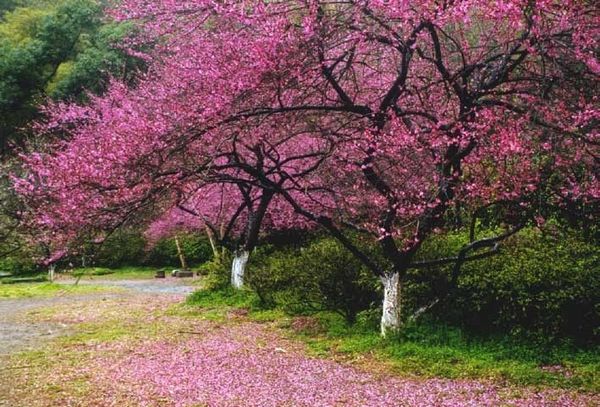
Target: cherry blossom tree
231	216
379	116
212	209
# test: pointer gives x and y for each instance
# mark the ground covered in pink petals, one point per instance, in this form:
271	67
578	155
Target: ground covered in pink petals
134	350
243	365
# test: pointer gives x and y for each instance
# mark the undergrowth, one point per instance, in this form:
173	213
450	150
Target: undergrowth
427	349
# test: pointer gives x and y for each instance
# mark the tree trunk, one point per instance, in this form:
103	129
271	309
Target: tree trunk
51	270
253	224
238	268
390	318
180	253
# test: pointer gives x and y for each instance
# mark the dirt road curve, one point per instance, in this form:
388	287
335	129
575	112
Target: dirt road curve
18	333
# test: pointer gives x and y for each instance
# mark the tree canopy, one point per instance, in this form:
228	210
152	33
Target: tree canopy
379	117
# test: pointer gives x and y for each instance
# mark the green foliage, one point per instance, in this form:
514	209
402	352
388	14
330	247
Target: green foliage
546	285
322	276
549	285
424	286
54	49
217	272
269	274
123	248
19	265
34	42
6	5
222	297
97	55
196	249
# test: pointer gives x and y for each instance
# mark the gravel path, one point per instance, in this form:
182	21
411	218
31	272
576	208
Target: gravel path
18	334
156	286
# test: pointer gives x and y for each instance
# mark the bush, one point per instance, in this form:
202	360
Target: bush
19	265
423	286
543	284
217	272
271	273
322	276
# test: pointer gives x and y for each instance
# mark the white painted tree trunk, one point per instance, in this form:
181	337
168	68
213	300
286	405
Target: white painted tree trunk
390	318
51	270
238	268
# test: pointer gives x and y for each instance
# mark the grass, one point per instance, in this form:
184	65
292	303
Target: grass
424	350
216	304
40	278
223	299
47	289
122	273
38	286
434	350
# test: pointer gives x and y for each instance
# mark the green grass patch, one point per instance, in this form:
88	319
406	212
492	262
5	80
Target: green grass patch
223	298
268	315
113	331
30	290
30	279
98	333
217	303
434	350
122	273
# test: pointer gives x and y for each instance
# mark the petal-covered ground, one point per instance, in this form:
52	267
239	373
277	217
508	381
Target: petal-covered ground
137	350
244	365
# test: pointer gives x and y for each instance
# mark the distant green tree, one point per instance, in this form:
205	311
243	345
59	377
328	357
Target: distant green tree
57	50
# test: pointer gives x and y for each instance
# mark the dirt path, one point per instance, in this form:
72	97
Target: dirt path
18	333
171	286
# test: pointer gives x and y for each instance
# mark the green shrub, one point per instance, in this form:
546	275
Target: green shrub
217	272
271	273
541	284
19	265
322	276
423	286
